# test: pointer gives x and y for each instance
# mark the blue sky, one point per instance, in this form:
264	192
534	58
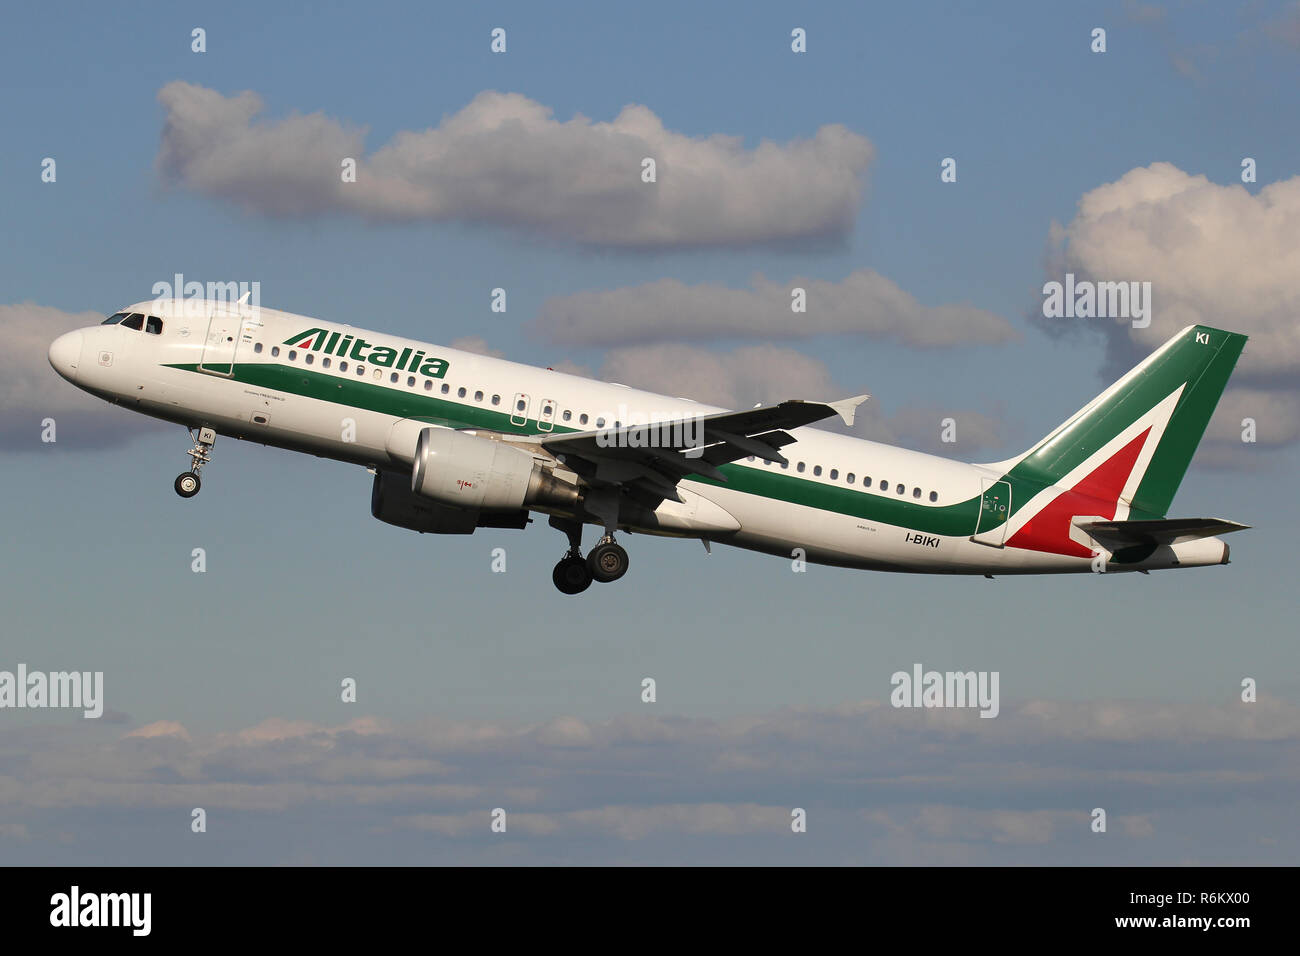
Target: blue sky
305	588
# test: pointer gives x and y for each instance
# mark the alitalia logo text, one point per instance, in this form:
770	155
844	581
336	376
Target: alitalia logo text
346	346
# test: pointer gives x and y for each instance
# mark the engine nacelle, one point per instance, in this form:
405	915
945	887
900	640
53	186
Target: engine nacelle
392	502
473	473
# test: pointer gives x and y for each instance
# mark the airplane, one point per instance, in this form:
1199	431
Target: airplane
458	441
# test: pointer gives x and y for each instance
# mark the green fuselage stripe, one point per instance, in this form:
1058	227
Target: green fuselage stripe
401	402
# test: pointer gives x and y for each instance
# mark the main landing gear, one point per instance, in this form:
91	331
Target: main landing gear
607	560
574	574
187	483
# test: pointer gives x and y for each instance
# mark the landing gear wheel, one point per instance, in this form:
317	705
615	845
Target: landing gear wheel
188	484
571	575
607	562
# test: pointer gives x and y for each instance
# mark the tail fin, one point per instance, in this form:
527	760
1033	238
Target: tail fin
1131	445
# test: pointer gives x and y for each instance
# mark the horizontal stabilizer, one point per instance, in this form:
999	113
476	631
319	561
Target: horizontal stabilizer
1162	531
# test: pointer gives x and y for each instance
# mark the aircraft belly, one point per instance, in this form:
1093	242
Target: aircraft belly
827	537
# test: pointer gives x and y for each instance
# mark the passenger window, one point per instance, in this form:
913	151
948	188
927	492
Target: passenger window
934	496
133	321
394	377
445	389
460	393
153	325
850	478
785	464
916	492
582	419
410	381
835	474
377	375
496	399
817	470
275	351
428	385
750	458
901	489
361	370
309	358
293	356
257	348
325	362
600	423
799	468
520	405
478	396
567	414
343	366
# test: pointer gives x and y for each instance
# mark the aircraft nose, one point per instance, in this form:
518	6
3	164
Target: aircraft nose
65	353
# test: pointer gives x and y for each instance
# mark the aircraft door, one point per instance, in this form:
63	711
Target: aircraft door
219	346
519	410
546	417
995	509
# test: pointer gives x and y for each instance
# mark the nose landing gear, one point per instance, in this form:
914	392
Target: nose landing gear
187	483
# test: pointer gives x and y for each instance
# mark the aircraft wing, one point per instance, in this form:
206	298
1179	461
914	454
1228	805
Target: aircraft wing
656	456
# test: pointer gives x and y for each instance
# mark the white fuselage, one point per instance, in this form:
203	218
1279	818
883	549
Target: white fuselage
288	397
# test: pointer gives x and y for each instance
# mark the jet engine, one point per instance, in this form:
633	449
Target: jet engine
480	474
392	501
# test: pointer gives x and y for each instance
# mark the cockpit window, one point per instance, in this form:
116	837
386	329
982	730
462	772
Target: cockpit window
153	325
133	321
114	318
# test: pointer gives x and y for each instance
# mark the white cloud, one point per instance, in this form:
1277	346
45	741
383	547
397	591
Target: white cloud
1215	255
478	345
31	391
504	160
898	785
161	728
863	303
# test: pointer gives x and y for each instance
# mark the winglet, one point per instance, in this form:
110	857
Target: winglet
847	406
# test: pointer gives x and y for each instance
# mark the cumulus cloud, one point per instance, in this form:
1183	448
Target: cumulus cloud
878	783
1216	255
863	303
623	822
161	728
505	160
478	345
31	391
